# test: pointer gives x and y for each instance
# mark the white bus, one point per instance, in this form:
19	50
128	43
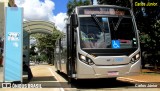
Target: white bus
101	41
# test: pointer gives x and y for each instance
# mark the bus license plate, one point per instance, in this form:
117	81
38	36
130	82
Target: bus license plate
113	73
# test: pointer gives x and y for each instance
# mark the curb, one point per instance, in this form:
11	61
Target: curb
129	79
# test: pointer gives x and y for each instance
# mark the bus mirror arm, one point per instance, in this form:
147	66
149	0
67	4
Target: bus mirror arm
74	20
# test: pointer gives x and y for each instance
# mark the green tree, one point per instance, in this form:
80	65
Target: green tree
124	3
32	51
156	27
73	3
46	43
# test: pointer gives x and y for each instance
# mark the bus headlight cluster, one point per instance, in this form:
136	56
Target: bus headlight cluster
85	59
135	58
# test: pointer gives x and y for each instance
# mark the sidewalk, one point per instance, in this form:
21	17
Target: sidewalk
146	76
41	74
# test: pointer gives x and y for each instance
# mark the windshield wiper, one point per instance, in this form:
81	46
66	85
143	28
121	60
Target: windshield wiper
99	24
117	25
97	21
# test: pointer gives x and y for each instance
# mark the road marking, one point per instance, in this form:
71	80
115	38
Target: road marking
61	89
51	72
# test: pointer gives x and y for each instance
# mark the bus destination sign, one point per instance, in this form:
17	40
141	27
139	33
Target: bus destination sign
103	11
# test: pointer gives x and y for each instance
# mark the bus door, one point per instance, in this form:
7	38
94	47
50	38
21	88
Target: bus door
71	45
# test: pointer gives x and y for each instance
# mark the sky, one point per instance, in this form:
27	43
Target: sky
49	10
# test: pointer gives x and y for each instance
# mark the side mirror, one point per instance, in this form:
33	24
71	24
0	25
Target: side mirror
74	20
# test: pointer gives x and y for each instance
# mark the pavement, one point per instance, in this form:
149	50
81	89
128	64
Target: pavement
41	75
46	75
147	75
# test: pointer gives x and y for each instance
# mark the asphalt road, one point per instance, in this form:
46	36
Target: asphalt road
49	78
97	84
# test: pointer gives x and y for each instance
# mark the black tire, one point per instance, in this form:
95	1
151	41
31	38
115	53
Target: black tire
112	79
69	69
71	80
69	73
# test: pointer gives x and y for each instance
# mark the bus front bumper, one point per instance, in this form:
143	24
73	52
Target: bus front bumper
93	72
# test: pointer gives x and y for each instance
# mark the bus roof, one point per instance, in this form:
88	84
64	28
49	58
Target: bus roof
111	6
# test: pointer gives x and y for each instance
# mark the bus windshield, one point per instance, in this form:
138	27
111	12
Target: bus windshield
118	32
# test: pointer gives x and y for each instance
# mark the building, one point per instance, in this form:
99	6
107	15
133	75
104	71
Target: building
3	4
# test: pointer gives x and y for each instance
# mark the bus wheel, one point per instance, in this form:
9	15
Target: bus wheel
69	70
71	80
69	73
112	79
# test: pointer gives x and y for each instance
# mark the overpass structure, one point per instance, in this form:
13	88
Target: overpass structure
31	27
38	27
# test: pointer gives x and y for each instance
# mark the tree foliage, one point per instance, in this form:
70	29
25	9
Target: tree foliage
32	51
124	3
147	18
73	3
46	43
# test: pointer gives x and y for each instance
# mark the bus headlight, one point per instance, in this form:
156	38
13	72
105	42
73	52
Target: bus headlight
82	57
85	59
135	58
